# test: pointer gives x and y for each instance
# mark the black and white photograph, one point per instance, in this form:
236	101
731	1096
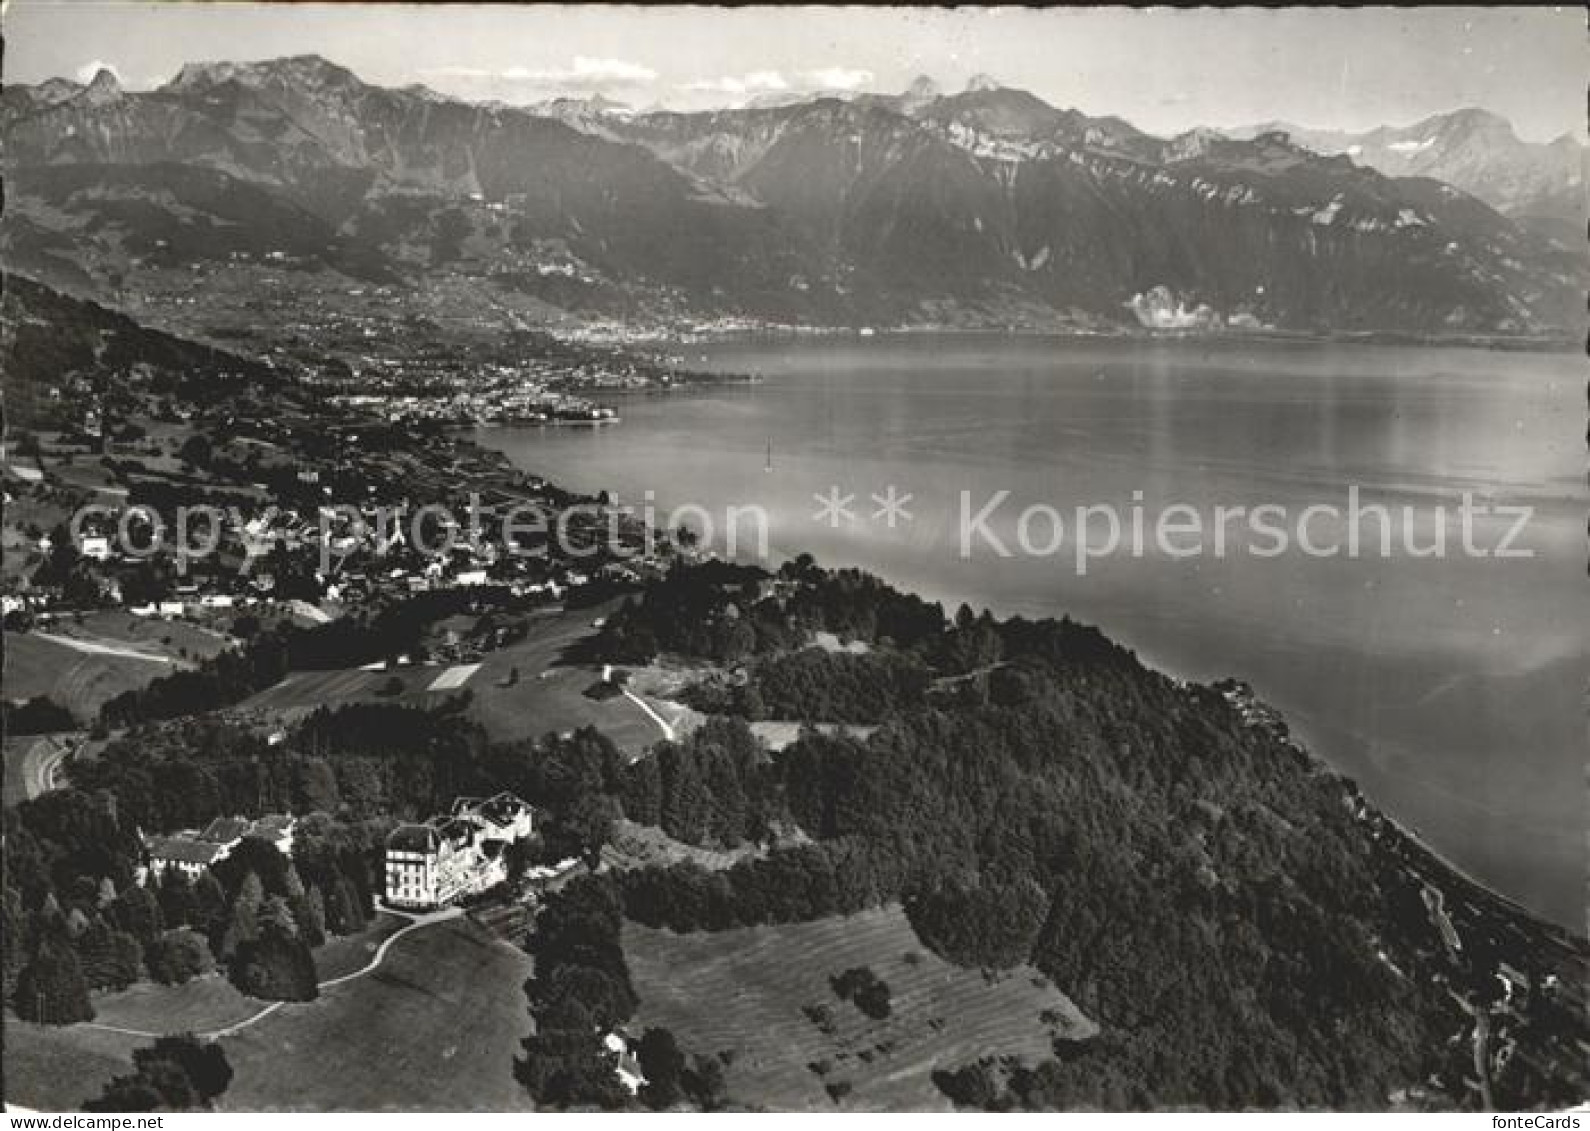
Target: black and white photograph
770	559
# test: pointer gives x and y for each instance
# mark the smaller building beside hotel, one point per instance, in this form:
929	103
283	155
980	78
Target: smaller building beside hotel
192	852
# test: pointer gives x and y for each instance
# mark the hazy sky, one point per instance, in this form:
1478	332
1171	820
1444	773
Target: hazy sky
1163	70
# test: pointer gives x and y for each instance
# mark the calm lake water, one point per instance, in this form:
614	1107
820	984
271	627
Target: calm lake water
1451	688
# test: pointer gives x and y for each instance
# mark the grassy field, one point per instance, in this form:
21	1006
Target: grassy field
304	691
435	1027
175	638
49	1069
203	1005
79	681
743	991
351	952
115	652
56	1069
555	700
549	694
84	471
645	846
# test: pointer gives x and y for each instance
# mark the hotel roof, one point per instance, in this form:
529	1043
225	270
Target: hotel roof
412	838
186	850
224	830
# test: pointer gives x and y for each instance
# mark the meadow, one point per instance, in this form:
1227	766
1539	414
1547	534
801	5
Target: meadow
82	662
434	1028
547	695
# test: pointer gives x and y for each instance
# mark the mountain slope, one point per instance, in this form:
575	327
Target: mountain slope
985	206
169	213
396	164
55	347
993	192
1474	150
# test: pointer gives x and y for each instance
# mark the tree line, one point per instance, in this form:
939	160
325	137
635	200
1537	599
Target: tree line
82	913
581	993
1202	888
384	633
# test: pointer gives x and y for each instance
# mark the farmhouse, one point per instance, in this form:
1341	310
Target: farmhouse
452	856
626	1066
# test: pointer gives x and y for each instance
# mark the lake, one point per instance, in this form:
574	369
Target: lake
1451	687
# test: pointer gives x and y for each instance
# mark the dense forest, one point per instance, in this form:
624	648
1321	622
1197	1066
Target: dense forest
1238	920
1243	926
582	991
77	918
81	912
817	686
723	611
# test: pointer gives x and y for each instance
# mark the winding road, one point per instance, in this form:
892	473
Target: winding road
415	923
666	727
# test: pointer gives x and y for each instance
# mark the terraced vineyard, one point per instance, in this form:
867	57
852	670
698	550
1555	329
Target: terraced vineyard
759	995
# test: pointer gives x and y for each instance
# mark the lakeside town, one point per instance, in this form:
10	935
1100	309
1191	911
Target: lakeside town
93	572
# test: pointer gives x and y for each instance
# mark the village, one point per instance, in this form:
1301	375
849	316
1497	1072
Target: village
161	520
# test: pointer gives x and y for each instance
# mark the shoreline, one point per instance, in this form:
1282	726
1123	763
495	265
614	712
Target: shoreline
778	552
1558	343
1511	905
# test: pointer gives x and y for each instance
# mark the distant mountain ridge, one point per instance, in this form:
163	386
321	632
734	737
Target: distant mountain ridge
987	205
1472	149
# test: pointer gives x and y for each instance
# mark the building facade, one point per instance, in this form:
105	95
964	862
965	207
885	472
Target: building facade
454	855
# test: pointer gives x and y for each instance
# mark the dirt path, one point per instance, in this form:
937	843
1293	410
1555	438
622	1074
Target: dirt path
416	922
102	648
666	726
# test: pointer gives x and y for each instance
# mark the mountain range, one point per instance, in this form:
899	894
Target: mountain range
987	206
1471	149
